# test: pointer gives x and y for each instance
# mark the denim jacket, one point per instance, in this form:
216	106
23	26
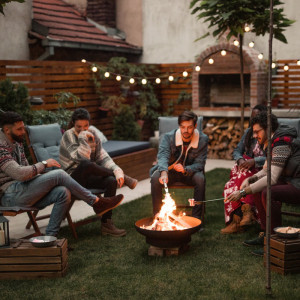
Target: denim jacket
171	149
242	149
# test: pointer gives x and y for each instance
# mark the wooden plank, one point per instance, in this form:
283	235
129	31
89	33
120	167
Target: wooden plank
30	260
31	267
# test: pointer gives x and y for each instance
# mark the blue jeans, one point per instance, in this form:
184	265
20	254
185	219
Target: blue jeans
54	187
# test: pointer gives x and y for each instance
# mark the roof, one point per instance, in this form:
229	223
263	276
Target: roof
60	24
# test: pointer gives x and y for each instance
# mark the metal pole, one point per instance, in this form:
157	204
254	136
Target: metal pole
268	214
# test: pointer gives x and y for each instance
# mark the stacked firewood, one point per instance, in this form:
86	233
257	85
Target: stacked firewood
224	134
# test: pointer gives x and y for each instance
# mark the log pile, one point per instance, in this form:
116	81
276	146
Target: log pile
223	134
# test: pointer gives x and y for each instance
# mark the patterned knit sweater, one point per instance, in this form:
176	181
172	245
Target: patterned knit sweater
75	148
14	165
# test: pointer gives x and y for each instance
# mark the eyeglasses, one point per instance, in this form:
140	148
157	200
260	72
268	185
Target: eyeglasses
257	131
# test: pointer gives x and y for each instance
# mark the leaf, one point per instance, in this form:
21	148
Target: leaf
202	37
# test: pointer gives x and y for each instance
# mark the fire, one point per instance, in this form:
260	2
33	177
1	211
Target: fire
165	219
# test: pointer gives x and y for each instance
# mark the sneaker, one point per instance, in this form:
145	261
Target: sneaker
130	182
108	228
105	204
259	241
258	252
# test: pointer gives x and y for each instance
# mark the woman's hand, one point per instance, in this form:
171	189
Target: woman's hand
235	196
179	168
247	165
120	181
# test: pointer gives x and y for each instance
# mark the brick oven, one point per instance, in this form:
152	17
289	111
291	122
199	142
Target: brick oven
217	85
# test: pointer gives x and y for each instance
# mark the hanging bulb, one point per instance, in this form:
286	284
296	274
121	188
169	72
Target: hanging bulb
83	60
223	52
298	62
157	80
273	65
171	78
131	80
94	69
285	67
106	74
260	56
144	81
247	28
211	61
185	74
197	68
236	43
251	44
118	78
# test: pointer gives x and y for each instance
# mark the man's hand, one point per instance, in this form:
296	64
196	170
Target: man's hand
163	177
179	168
52	163
235	196
120	181
246	165
245	183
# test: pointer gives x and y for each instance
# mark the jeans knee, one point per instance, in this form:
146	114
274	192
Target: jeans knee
199	179
111	182
63	194
155	178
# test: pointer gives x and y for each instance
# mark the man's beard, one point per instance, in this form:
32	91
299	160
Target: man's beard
19	139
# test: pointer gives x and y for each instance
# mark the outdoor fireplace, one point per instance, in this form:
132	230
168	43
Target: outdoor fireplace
217	84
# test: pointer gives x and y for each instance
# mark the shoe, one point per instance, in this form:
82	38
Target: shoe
233	227
108	228
130	182
248	217
258	252
105	204
259	241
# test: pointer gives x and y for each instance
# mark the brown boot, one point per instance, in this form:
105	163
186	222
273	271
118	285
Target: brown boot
108	228
233	227
248	217
105	204
130	182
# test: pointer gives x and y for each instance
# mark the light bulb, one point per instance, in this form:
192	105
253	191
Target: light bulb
106	74
94	69
211	61
171	78
223	52
236	43
144	81
260	56
118	78
185	74
83	60
197	68
251	44
298	62
131	80
247	28
273	65
285	67
157	80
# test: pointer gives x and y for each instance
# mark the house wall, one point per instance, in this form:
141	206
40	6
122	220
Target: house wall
169	32
129	18
14	27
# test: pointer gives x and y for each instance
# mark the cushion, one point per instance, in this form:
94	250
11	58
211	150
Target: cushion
45	141
116	148
100	134
292	122
167	124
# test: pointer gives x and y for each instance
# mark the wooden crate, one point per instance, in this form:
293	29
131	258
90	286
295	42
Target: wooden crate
284	255
156	251
24	261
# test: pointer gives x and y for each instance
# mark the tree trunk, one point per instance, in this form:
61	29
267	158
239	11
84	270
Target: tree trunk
242	83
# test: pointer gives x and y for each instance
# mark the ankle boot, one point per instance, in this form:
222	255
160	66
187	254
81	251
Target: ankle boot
233	227
130	182
108	228
248	217
105	204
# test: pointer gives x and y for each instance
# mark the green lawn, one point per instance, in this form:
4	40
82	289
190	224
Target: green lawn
215	267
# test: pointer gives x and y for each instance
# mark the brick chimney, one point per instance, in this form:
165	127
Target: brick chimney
102	12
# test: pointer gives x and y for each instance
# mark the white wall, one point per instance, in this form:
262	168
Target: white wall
169	31
14	27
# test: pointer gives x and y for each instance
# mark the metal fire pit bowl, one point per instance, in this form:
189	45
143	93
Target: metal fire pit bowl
170	238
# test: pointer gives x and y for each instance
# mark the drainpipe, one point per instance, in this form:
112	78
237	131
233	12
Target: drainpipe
48	52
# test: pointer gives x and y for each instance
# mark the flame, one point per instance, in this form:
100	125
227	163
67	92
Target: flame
165	219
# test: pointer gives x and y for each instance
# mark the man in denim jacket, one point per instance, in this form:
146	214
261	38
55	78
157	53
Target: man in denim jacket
181	158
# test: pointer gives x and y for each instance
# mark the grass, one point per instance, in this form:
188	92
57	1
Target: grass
215	267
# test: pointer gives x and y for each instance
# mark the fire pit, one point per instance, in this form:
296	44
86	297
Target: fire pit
168	238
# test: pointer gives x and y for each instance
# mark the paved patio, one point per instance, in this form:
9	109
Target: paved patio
81	210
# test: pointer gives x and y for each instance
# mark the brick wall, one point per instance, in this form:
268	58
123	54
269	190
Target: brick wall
102	11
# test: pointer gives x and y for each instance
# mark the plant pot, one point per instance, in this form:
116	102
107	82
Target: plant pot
103	112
